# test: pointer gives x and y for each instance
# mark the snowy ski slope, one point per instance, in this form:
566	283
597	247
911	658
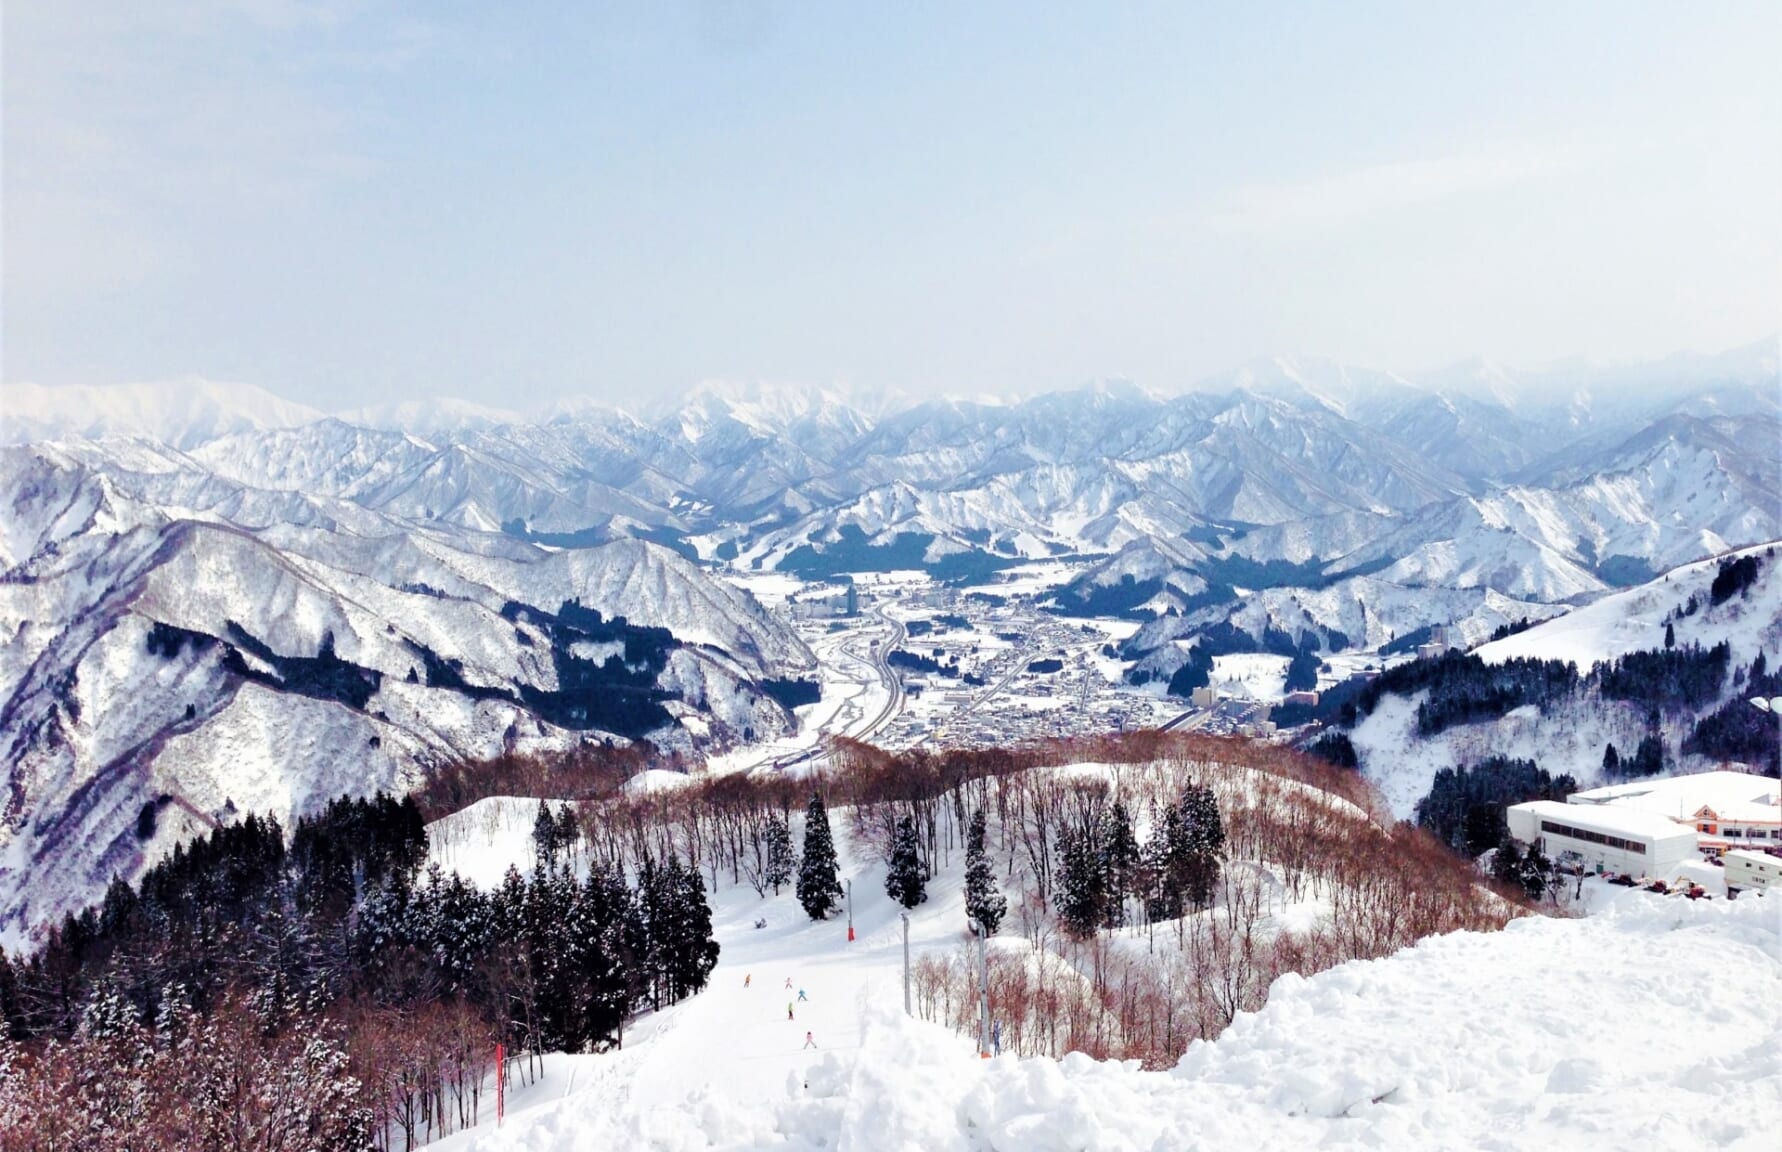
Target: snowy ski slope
1650	1023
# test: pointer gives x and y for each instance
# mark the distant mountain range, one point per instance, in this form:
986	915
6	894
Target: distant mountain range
204	585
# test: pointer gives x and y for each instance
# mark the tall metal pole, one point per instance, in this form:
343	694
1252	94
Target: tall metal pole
850	908
977	930
906	965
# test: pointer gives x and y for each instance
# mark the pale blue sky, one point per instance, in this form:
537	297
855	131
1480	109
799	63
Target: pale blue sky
347	202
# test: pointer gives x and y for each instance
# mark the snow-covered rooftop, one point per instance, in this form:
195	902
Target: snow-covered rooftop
1611	820
1731	794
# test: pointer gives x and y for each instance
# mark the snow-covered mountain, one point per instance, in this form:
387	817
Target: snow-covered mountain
1602	475
171	640
1572	735
183	413
190	572
1634	620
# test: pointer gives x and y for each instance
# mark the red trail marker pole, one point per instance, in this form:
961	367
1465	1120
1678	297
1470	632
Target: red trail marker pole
500	1083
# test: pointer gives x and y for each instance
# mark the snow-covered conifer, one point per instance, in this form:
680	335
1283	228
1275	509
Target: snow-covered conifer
782	861
983	902
906	881
819	875
1082	881
1120	857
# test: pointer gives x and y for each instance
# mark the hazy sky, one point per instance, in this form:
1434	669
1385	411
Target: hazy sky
349	202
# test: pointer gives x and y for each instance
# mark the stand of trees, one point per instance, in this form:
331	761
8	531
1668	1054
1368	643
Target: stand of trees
1101	865
1337	748
385	984
1733	577
1465	806
1737	731
1647	759
1667	679
336	939
1302	672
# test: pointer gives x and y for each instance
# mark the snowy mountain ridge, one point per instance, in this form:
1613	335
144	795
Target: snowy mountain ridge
1570	736
177	647
1362	465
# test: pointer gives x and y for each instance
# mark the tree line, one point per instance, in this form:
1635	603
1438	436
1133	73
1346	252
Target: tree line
338	939
395	980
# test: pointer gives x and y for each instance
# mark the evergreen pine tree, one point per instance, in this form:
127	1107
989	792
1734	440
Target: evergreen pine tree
1648	758
905	879
1121	860
652	902
605	963
1205	835
1536	873
819	876
550	955
567	833
782	862
544	838
1506	864
983	902
1611	762
507	908
12	1017
462	932
1082	881
1670	635
695	952
1166	864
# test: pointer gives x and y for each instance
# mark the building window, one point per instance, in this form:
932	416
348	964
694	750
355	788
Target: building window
1586	835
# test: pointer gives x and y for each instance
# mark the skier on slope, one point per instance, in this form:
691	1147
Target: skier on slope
802	997
808	1041
788	1009
746	980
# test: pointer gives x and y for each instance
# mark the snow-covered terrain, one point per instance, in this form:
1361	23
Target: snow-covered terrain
1635	620
1467	479
1401	763
1649	1023
168	550
175	644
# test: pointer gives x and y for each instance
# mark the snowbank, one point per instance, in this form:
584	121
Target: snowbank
1651	1024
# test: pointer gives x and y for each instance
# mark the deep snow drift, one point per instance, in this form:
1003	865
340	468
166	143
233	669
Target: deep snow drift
1651	1023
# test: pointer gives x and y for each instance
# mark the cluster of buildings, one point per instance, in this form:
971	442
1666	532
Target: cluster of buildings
1652	828
825	602
1437	645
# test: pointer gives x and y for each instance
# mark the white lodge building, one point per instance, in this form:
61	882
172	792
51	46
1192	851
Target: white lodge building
1728	809
1607	838
1648	827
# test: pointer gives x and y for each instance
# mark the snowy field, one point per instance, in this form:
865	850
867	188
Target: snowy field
1648	1024
1251	675
1029	579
